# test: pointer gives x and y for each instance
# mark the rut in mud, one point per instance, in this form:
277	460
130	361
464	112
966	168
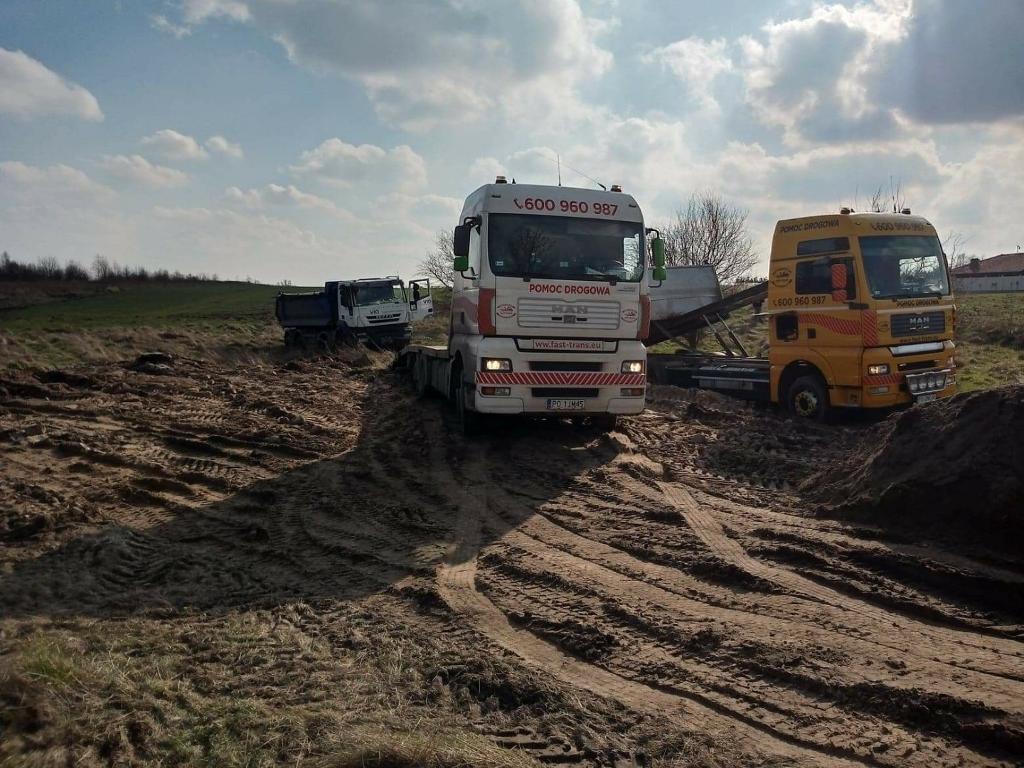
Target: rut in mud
663	594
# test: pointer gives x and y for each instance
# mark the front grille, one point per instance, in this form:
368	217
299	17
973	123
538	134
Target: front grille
918	324
555	365
553	313
920	366
564	391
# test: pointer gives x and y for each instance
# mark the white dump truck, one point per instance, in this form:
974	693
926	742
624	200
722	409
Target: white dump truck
375	310
550	306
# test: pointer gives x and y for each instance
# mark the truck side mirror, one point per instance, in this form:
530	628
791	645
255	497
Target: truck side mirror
839	286
460	241
658	251
660	274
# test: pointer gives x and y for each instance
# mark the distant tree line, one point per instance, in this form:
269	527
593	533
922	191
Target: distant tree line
102	270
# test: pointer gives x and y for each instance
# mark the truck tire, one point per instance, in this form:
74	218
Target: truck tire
469	420
420	377
807	398
604	422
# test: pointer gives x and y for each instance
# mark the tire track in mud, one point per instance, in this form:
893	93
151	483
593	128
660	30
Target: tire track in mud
996	656
621	575
456	580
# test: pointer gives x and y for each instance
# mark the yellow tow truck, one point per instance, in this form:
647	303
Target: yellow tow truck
860	315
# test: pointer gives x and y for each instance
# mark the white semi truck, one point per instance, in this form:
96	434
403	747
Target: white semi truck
550	306
374	310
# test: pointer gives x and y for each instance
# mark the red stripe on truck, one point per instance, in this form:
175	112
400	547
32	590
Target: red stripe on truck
561	378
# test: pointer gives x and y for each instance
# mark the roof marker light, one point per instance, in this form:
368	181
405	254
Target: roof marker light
500	180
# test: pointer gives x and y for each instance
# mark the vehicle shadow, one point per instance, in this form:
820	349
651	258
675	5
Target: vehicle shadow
337	528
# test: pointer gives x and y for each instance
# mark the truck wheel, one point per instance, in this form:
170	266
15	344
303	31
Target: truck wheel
604	422
469	421
807	398
420	378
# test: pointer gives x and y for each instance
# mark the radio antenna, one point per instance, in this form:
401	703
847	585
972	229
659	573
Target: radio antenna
558	160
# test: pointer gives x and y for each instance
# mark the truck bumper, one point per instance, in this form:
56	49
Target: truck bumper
888	390
590	382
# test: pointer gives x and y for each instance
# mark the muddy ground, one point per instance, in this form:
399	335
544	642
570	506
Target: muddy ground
212	563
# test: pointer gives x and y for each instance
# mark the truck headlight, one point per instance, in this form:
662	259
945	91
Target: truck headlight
496	364
632	366
878	370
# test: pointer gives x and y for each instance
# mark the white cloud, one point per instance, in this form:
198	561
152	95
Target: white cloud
196	11
138	170
59	211
171	145
284	197
696	62
810	76
224	147
28	90
423	64
484	169
371	167
164	24
40	184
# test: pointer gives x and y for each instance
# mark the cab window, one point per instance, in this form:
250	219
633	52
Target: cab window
815	277
823	245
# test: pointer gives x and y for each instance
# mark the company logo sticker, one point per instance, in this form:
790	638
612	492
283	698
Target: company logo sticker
506	310
628	315
782	277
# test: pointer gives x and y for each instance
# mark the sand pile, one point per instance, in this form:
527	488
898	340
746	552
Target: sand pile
950	469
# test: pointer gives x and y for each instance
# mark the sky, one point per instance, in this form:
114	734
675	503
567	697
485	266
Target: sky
308	140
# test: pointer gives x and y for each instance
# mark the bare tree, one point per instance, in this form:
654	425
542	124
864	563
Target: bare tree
953	246
895	202
711	231
438	262
50	268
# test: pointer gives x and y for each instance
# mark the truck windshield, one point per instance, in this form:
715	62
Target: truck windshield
904	266
378	293
565	247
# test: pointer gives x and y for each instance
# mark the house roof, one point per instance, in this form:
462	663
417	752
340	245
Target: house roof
1004	262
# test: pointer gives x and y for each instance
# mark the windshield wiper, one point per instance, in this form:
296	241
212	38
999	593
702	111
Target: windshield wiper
922	295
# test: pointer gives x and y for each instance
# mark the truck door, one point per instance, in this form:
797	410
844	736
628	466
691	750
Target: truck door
421	303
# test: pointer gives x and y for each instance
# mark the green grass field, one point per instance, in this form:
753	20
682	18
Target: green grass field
235	316
186	318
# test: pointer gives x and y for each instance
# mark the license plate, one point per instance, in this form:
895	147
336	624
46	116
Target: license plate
926	398
565	405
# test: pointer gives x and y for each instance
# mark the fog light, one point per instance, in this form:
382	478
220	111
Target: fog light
632	391
913	384
496	391
632	366
497	364
879	390
878	370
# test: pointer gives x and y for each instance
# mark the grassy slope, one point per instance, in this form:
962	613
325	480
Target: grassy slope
129	319
990	339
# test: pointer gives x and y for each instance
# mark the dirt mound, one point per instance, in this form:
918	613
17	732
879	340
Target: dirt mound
948	469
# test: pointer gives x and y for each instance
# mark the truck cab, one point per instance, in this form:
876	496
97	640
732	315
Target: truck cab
550	302
860	312
375	310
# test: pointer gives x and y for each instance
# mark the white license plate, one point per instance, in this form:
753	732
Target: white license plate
565	405
926	398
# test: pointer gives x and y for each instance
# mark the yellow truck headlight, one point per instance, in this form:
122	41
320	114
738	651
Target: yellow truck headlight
496	364
632	366
878	370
